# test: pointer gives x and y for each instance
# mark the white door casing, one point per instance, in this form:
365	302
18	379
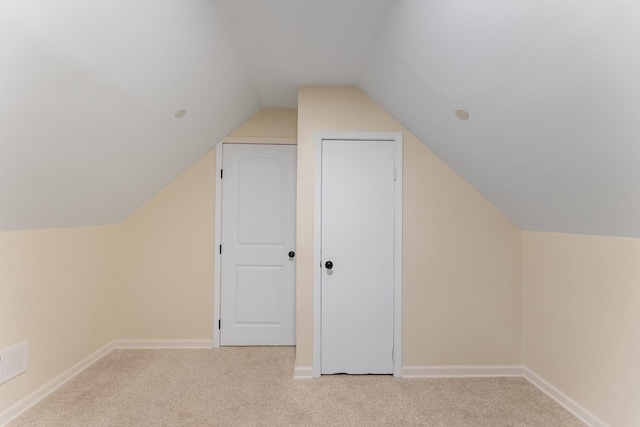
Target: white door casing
357	302
257	278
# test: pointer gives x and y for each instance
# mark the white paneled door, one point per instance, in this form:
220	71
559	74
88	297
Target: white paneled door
258	245
357	252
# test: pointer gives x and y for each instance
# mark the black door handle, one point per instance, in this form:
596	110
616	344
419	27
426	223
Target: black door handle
328	265
291	254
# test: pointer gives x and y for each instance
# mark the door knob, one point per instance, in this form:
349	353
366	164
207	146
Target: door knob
291	254
328	265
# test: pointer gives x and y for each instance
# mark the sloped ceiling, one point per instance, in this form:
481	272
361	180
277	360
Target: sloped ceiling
89	90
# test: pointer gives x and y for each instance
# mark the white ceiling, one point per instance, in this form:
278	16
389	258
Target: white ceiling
288	43
88	90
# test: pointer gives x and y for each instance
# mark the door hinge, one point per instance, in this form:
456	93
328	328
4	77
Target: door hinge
219	323
395	174
220	249
220	173
393	356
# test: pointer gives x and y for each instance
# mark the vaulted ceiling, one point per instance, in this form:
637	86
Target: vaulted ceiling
88	92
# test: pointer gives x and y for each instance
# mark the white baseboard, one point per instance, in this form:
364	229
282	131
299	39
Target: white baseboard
22	405
569	404
303	372
167	344
449	371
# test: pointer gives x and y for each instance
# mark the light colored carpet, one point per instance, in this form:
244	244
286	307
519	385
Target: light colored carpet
255	387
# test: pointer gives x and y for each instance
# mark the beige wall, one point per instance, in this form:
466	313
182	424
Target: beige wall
270	123
582	320
165	266
462	257
56	290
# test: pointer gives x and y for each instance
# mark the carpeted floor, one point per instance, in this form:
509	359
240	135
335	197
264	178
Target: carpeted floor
254	386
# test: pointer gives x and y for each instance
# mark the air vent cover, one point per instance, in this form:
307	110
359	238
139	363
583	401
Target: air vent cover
13	361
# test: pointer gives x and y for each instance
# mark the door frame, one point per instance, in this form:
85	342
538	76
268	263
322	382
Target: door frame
217	227
217	259
396	138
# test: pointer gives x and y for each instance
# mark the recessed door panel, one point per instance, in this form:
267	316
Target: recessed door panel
261	188
259	294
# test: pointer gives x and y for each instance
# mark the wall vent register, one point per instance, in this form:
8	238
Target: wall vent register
13	361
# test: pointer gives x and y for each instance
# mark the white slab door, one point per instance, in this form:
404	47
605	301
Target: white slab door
357	252
257	288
